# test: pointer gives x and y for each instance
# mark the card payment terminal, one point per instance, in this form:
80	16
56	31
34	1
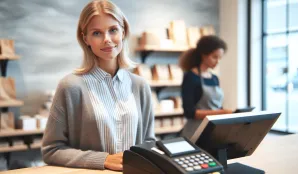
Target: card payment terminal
174	156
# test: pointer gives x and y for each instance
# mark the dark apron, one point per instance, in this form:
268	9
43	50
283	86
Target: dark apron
211	99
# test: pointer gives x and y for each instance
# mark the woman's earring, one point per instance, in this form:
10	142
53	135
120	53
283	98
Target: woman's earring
89	46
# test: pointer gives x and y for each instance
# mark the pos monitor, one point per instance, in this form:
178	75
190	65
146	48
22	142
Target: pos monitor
234	135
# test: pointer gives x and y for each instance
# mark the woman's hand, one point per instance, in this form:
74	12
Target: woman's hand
227	111
114	162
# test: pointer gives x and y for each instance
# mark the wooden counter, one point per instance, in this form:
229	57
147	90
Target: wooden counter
275	155
58	170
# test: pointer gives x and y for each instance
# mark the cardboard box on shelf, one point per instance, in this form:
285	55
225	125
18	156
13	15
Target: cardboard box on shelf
27	123
158	123
166	105
175	72
177	33
7	121
177	121
41	121
7	47
155	101
143	71
37	141
17	141
177	102
7	88
149	39
166	44
207	30
167	122
193	36
160	72
4	143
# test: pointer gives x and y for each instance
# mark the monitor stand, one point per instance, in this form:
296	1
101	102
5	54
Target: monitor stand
235	168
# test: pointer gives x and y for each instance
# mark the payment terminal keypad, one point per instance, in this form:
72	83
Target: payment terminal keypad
196	162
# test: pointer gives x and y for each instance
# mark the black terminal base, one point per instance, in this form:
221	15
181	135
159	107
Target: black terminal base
237	168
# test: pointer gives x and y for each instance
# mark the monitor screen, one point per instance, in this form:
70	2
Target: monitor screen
178	147
238	133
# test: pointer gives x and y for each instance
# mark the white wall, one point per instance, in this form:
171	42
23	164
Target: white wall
233	73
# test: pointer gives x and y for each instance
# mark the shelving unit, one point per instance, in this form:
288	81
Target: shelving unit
25	136
10	57
159	85
11	103
167	83
176	112
4	104
146	51
4	61
156	49
9	135
35	146
13	148
19	132
7	53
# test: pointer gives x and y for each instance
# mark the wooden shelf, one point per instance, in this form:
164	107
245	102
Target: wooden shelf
176	112
13	148
166	130
19	132
11	103
157	49
35	146
164	83
9	57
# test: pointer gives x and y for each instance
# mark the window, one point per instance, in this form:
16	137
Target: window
280	62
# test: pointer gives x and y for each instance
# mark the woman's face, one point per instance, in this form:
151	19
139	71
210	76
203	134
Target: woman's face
104	35
212	59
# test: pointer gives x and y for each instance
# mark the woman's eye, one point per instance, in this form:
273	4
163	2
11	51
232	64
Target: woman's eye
96	33
114	30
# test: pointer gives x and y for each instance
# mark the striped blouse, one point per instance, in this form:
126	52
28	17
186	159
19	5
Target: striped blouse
115	108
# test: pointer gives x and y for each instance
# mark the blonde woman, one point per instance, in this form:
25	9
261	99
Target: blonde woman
102	109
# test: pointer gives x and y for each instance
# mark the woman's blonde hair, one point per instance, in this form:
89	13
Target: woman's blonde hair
97	7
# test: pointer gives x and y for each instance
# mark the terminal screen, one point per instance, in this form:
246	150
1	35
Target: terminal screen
179	147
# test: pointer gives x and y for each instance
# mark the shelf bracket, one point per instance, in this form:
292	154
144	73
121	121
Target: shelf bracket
3	64
144	55
158	89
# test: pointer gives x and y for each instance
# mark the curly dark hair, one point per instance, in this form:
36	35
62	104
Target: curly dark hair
206	45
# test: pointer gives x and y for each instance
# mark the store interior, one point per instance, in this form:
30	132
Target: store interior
38	47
